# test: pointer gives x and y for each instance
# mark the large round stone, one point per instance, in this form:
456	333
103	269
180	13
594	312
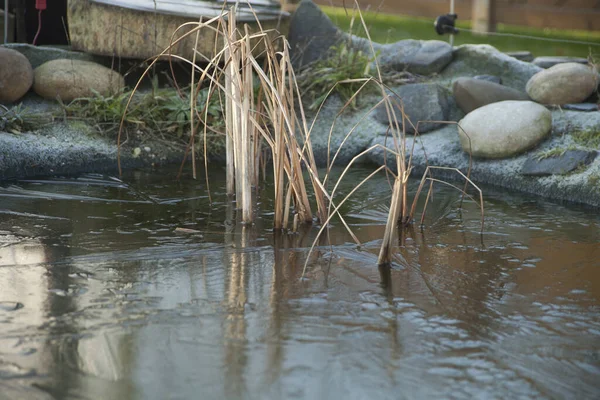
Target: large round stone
503	129
547	62
16	75
563	84
477	59
71	79
471	94
422	103
312	34
422	57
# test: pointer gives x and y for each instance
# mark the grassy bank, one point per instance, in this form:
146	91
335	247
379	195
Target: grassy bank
386	28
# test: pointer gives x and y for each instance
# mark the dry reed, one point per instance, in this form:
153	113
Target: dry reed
277	118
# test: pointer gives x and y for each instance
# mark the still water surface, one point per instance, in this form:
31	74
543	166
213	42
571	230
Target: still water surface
102	297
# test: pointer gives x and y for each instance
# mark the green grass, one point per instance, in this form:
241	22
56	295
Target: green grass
589	138
160	113
388	28
19	119
317	79
161	110
551	153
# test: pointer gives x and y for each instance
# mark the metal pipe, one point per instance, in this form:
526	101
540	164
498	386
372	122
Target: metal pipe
5	21
451	12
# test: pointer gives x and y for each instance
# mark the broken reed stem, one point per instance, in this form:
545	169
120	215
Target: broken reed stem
243	125
193	99
229	107
286	208
275	123
274	120
398	203
399	211
239	103
387	246
293	166
246	156
278	152
302	202
286	151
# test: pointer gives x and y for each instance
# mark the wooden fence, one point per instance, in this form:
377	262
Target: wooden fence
561	14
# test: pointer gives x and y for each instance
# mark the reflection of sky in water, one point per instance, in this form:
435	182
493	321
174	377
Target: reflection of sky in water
22	281
104	299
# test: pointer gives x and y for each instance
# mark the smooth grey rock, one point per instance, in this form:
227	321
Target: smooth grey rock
471	94
563	164
363	44
489	78
521	55
454	112
422	102
547	62
311	34
38	55
16	75
71	79
422	57
585	107
563	84
431	58
471	60
351	132
504	129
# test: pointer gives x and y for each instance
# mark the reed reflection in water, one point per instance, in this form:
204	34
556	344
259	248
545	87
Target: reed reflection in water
106	300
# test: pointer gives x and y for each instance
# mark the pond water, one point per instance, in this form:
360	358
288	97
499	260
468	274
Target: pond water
103	297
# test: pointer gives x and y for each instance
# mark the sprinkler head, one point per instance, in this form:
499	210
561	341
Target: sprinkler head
445	24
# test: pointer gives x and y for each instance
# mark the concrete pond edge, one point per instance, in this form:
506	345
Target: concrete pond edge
71	148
